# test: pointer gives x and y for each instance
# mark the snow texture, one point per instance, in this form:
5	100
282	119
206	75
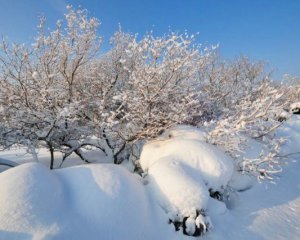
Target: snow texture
182	169
189	149
98	200
295	105
179	188
266	211
106	201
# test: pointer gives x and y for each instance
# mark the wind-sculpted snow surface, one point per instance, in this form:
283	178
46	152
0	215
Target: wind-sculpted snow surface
290	131
105	201
182	171
268	211
99	201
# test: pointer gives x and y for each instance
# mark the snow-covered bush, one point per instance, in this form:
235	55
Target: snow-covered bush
245	104
293	84
182	172
39	86
226	83
253	117
53	93
143	87
61	94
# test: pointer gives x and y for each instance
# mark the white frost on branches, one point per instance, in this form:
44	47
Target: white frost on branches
60	93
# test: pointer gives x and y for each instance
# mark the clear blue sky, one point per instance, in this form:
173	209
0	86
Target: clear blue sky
262	29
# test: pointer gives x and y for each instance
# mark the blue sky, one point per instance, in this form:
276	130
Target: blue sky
261	29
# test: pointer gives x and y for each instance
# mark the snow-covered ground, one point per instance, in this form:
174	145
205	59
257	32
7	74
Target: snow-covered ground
84	202
105	201
266	211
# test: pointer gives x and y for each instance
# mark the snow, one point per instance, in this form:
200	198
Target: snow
169	177
107	201
241	181
266	211
291	132
184	131
181	170
295	105
214	166
31	198
74	203
284	115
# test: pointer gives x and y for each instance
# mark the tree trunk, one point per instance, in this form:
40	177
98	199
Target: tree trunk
52	156
115	156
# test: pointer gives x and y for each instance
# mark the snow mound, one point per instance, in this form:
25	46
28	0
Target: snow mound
97	200
181	186
31	198
241	181
182	172
212	164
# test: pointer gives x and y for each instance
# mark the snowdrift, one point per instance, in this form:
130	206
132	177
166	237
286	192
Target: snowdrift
99	201
183	171
290	131
105	201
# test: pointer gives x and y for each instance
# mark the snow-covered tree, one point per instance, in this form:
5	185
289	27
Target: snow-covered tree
145	86
40	85
248	109
292	84
61	94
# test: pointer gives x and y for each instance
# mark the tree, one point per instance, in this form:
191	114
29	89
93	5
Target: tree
145	86
61	94
249	104
292	84
40	85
